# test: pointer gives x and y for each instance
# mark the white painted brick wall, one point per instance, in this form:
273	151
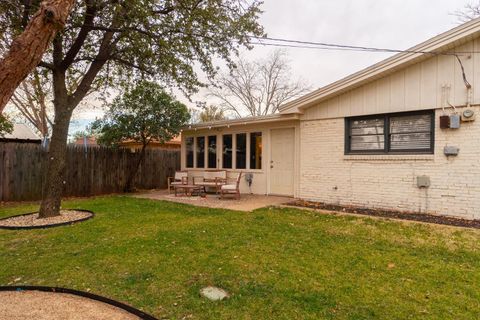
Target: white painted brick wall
389	181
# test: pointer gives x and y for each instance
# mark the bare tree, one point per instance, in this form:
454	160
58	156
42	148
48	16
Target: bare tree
258	88
27	49
469	12
212	113
32	100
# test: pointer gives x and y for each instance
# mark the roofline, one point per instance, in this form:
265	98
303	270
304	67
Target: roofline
437	43
241	121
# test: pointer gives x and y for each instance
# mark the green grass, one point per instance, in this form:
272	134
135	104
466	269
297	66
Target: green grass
277	263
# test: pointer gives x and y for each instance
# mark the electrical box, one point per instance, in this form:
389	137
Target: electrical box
468	115
444	122
423	181
451	151
454	121
249	178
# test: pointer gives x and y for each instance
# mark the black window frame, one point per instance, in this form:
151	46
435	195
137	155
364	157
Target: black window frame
386	132
212	156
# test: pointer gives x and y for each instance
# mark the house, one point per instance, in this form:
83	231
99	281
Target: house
399	135
173	144
89	141
21	134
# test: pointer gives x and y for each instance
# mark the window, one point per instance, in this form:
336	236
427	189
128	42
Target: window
212	152
256	150
200	152
411	132
227	151
189	152
241	152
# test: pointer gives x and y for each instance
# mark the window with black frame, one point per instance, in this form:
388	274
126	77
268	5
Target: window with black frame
189	152
410	132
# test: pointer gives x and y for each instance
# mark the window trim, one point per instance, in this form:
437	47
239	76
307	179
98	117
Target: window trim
386	132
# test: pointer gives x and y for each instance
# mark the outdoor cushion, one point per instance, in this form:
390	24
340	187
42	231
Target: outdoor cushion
229	187
175	183
180	174
206	183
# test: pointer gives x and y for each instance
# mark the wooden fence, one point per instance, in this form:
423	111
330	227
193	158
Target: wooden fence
89	171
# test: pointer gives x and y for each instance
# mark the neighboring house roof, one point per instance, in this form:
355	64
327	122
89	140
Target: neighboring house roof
21	132
91	141
173	142
439	44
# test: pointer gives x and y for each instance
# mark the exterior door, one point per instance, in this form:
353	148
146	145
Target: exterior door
282	161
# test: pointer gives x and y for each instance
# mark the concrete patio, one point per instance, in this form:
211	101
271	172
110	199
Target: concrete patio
247	202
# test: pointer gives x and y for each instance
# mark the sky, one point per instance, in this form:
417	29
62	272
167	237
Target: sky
395	24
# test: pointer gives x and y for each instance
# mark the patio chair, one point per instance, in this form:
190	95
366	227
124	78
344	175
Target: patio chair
231	188
181	177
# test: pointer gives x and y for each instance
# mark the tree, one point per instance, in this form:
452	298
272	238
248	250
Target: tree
31	100
212	113
142	114
258	88
469	12
27	49
5	125
111	42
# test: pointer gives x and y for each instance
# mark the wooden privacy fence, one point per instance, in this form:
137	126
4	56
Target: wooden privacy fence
89	171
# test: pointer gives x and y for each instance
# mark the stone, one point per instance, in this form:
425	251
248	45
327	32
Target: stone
214	293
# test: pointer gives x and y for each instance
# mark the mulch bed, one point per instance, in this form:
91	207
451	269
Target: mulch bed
31	220
402	215
44	303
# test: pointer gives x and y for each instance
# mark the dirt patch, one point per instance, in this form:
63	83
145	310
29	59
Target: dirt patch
32	219
402	215
38	305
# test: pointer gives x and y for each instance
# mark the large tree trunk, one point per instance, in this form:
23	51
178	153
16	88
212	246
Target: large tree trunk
130	184
27	49
54	182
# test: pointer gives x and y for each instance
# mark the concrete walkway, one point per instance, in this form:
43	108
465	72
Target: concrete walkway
247	202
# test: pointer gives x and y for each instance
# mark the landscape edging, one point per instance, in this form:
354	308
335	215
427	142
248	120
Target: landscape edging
88	295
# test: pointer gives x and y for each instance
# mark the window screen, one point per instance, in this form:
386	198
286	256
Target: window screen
411	132
367	135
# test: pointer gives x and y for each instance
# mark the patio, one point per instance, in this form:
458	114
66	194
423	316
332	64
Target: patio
247	202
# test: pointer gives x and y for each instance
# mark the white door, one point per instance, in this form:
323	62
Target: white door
282	161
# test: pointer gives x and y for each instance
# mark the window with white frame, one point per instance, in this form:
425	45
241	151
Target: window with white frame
212	152
189	152
200	146
237	151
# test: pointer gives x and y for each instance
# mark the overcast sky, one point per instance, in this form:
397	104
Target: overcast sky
396	24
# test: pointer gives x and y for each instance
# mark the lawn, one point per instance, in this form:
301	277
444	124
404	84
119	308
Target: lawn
277	263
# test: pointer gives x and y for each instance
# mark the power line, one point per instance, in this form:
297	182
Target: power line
341	47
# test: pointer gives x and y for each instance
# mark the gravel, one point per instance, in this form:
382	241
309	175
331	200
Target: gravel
32	220
38	305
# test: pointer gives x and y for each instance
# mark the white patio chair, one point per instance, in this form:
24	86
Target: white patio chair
181	177
231	188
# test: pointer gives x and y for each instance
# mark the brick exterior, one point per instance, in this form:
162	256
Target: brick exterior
389	181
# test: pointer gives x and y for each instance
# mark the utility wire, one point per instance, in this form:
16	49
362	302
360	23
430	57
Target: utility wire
331	46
